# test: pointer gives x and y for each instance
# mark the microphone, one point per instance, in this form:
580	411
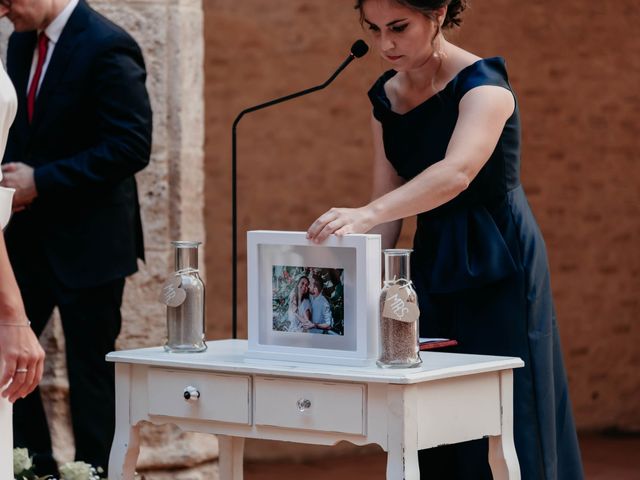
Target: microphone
358	50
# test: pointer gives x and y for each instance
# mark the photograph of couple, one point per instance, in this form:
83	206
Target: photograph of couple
308	300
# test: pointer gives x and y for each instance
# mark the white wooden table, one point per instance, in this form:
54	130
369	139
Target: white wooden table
451	398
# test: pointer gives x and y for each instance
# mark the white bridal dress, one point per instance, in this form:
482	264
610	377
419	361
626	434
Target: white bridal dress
8	105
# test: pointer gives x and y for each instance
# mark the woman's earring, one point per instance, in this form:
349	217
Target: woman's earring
438	52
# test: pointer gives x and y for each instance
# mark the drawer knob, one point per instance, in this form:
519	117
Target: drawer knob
303	404
191	394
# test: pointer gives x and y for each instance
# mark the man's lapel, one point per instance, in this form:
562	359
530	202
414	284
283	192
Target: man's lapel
19	58
62	54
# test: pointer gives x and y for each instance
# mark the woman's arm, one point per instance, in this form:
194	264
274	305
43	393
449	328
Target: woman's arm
19	347
483	112
385	180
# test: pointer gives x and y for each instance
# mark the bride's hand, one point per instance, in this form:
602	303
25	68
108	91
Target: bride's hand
341	221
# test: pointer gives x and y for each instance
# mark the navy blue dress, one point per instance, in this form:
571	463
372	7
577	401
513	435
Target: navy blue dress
481	272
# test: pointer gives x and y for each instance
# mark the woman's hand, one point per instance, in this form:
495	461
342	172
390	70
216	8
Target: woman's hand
21	356
22	360
341	221
305	319
306	323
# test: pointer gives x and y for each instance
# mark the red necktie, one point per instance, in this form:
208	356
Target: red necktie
43	44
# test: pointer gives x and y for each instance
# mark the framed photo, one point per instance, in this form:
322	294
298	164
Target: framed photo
310	302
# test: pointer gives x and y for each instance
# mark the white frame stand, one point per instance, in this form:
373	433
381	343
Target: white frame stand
364	298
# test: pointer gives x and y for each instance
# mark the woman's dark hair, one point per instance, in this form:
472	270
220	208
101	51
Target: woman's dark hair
427	7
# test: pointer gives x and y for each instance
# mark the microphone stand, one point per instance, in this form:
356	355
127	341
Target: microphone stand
358	49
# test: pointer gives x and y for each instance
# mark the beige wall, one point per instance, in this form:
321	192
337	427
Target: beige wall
574	67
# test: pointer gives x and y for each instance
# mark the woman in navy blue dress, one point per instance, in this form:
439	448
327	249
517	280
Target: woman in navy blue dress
446	136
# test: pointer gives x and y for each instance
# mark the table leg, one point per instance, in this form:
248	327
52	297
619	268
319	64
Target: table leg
230	458
502	451
126	439
402	448
124	453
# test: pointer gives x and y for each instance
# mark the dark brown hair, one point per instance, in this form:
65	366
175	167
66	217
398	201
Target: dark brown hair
427	7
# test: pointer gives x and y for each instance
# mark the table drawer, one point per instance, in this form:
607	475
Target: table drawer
223	398
329	407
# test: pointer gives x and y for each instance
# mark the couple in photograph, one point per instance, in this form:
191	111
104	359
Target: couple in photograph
309	310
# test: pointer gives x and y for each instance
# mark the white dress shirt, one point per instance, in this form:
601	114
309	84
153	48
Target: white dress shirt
8	107
53	32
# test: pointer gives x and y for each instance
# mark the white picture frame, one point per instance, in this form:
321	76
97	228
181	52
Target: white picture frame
351	263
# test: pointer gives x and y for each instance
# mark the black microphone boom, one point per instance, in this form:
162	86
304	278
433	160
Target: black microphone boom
358	49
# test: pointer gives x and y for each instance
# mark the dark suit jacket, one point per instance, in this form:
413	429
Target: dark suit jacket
91	132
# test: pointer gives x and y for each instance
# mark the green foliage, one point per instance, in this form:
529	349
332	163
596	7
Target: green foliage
283	282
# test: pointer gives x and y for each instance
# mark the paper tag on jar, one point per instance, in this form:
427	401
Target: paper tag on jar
397	307
172	295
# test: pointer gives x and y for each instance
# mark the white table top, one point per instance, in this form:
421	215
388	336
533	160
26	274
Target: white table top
228	356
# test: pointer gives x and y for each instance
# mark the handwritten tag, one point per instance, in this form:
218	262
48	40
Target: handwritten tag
397	307
172	295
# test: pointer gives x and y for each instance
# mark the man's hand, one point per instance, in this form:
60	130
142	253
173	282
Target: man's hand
305	322
20	176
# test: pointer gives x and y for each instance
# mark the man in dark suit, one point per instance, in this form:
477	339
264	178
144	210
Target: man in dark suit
82	131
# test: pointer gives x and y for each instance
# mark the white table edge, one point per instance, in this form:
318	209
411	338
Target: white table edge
157	357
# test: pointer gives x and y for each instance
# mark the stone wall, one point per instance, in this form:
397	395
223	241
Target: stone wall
170	33
573	66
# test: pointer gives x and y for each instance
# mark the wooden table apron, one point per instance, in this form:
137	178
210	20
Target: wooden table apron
451	398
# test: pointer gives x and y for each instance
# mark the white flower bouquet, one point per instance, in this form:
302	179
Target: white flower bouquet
23	469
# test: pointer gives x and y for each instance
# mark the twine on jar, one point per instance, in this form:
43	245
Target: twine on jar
402	282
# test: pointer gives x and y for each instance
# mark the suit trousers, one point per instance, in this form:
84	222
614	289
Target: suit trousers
91	321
